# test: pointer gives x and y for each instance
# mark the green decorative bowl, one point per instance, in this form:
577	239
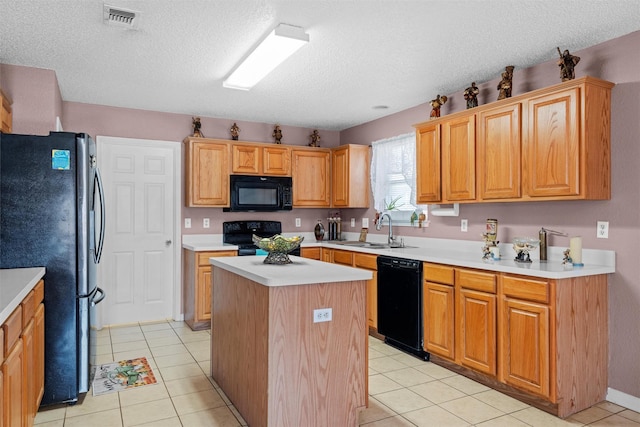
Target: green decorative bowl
277	247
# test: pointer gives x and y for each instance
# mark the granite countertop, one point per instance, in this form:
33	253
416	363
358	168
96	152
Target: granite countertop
302	271
15	285
459	253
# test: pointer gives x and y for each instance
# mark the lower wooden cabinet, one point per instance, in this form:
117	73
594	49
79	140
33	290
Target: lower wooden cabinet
6	115
369	262
22	358
196	287
13	411
439	312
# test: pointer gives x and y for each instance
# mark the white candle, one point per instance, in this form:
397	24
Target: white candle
575	250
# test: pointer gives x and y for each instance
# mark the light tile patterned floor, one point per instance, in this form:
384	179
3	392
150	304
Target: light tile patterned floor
404	391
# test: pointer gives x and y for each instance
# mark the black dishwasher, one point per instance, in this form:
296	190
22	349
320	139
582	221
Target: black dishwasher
400	304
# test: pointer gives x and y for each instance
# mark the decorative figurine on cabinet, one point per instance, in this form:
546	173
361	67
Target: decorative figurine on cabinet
567	63
277	134
196	127
235	131
505	85
471	95
315	139
436	103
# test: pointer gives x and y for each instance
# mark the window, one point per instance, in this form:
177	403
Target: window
393	179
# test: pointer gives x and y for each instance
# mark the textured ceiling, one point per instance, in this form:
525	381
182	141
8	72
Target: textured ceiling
361	53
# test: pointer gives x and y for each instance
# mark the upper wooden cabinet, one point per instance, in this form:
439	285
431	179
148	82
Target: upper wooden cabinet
459	159
207	172
548	144
498	151
350	176
260	159
428	182
6	115
311	169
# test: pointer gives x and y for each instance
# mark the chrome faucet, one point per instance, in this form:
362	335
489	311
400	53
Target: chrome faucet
391	239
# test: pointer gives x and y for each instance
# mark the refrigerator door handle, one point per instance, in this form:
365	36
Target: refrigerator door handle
94	300
100	244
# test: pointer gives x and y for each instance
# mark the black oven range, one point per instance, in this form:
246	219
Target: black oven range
240	233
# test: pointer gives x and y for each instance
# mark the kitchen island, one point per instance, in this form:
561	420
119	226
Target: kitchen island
280	362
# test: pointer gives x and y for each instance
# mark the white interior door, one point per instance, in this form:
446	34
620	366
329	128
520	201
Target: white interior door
139	270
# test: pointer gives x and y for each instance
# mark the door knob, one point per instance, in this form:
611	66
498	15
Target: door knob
168	242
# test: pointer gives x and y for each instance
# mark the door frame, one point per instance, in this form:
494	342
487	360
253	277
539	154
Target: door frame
176	147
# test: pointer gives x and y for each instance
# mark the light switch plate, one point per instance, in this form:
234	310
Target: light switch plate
187	223
463	225
298	222
365	222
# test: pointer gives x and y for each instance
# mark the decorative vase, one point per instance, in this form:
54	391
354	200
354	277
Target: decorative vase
319	231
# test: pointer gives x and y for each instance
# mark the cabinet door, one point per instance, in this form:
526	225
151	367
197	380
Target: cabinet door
246	159
340	177
203	300
525	345
428	181
28	377
439	320
477	331
208	174
459	159
350	176
372	300
38	345
6	115
553	161
276	161
312	171
12	387
498	150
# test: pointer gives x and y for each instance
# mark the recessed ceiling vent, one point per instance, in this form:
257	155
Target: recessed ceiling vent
120	17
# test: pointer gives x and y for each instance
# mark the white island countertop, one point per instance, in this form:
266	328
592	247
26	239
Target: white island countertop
302	271
15	285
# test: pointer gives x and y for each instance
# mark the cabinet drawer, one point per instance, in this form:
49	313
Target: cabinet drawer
203	257
39	293
365	261
312	253
342	257
12	328
468	279
527	289
437	273
28	307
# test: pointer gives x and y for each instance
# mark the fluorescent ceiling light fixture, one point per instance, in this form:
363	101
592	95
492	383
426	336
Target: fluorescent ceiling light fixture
281	43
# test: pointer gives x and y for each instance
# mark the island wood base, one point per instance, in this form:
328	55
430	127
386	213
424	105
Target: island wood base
276	365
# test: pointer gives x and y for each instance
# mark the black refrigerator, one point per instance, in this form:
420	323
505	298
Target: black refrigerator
52	216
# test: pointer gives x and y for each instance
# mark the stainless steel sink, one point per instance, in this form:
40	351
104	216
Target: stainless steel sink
372	245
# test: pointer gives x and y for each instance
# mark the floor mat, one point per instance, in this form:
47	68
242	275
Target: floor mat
122	375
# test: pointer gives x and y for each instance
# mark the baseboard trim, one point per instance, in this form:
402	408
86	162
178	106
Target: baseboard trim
623	399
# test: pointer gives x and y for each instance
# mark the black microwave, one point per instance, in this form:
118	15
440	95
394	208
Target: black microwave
260	193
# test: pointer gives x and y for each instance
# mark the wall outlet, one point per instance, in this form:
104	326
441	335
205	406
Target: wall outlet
322	315
298	223
602	230
353	222
463	225
205	223
365	222
187	223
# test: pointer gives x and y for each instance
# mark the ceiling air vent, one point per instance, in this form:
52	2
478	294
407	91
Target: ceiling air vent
120	17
